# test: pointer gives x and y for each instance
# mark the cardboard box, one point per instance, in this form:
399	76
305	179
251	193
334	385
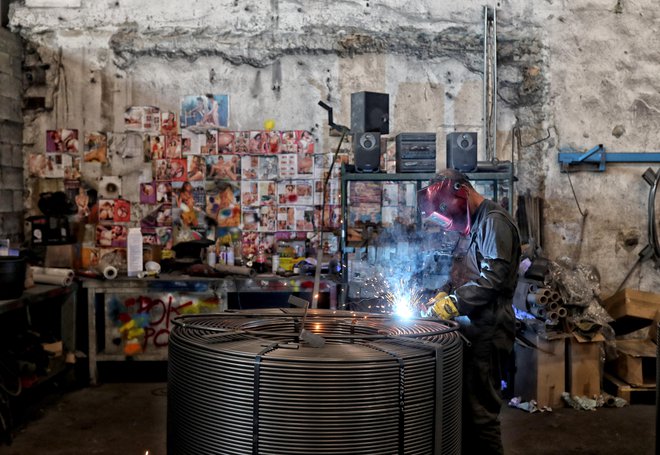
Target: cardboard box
635	363
541	371
584	369
632	310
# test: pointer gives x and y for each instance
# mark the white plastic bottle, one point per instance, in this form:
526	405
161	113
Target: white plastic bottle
134	251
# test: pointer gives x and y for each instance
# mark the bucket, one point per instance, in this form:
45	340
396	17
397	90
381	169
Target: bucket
12	277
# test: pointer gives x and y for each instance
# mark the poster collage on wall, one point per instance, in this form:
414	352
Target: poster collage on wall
194	179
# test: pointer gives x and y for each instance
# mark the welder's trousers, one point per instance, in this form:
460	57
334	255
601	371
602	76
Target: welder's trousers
483	368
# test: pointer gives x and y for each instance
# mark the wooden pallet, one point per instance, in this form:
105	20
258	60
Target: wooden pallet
633	395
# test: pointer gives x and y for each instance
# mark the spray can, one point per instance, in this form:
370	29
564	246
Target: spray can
276	262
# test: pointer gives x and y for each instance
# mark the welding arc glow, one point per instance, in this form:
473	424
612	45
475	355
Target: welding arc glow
404	299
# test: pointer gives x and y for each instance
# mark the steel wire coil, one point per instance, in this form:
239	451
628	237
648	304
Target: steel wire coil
245	383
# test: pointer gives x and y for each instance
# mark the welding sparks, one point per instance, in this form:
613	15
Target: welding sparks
404	300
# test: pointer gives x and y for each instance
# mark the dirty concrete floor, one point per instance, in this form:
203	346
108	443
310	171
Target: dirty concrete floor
130	418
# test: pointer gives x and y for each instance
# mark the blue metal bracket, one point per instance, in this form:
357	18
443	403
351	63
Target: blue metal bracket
595	159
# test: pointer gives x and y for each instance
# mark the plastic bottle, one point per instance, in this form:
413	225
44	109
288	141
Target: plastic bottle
276	262
134	251
210	257
230	255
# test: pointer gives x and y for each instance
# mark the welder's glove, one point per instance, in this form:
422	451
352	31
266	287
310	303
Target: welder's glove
442	306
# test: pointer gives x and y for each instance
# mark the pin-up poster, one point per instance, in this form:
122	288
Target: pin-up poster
331	217
241	142
288	142
122	211
169	123
267	218
257	143
272	142
96	147
288	165
332	192
267	193
162	170
323	162
286	218
223	167
205	111
179	169
305	166
111	235
296	192
209	143
306	142
196	168
267	168
147	193
225	142
142	118
106	210
163	192
250	193
191	142
62	141
173	146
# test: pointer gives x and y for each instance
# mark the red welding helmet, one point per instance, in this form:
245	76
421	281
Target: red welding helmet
445	202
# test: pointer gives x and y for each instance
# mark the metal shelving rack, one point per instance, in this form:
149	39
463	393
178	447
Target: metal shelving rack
503	173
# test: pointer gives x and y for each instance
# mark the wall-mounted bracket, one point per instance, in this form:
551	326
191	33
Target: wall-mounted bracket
595	159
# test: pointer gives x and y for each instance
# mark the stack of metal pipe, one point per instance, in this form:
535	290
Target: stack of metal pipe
546	304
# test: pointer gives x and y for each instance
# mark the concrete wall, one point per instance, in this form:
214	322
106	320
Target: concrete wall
11	138
570	74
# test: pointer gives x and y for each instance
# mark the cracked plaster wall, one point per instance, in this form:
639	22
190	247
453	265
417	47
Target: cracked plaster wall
570	74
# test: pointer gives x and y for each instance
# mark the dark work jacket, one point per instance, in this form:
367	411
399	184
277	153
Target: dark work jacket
491	263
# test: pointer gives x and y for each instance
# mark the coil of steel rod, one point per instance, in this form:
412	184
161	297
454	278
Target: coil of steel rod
244	383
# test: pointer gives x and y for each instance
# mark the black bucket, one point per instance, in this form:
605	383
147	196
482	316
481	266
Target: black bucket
12	277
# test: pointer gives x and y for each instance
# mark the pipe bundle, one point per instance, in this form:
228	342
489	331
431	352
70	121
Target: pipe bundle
544	303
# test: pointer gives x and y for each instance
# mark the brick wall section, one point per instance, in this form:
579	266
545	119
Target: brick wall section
12	183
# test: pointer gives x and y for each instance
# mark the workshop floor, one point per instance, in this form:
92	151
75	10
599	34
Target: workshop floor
130	418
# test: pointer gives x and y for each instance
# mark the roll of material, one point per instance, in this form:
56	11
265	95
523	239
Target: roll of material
110	272
53	271
57	280
235	270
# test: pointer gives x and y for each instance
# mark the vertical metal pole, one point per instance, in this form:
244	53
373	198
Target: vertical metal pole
485	87
494	84
91	335
344	229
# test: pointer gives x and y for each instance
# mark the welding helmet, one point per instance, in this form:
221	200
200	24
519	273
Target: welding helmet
444	202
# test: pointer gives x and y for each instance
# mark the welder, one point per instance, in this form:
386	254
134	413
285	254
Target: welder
482	304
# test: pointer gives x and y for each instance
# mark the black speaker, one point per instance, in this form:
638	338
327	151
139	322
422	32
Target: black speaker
366	152
370	112
462	151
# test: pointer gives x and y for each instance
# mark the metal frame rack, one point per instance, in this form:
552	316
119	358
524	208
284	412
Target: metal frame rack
504	173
